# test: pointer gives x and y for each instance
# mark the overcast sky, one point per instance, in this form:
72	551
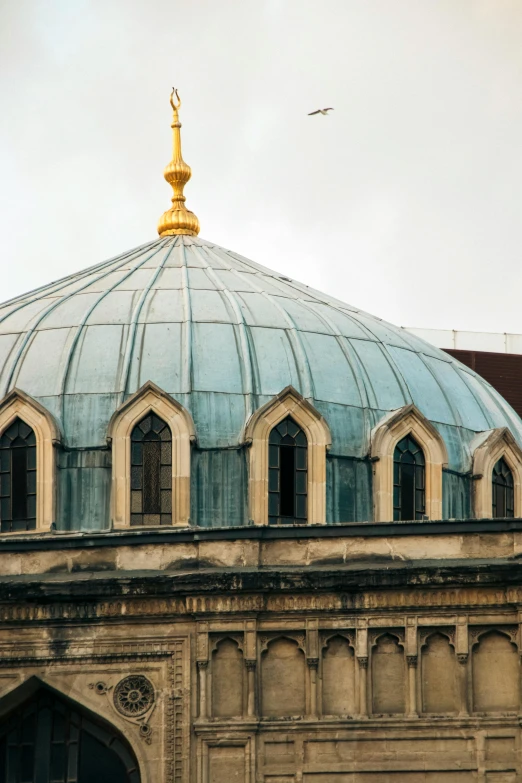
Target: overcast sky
406	201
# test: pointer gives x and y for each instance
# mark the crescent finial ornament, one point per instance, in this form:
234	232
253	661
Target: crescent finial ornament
175	93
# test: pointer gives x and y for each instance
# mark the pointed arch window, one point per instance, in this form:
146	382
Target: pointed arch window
17	478
287	473
409	480
151	472
503	491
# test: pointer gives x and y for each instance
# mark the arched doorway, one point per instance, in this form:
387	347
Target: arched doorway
49	739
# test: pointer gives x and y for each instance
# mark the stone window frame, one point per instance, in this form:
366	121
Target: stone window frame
489	448
384	438
18	404
150	398
257	431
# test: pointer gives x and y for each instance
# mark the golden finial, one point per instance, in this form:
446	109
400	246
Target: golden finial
177	219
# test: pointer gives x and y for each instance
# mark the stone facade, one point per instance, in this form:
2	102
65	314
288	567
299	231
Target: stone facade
356	653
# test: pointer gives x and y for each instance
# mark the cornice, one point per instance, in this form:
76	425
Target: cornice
111	538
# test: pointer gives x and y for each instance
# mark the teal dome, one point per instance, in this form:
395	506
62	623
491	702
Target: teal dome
223	335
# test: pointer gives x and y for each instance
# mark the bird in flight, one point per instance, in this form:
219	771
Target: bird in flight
321	111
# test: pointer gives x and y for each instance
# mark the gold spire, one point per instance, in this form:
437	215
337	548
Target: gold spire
177	219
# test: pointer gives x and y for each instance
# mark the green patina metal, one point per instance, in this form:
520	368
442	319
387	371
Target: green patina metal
223	335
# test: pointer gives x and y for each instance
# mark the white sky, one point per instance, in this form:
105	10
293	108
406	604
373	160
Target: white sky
405	201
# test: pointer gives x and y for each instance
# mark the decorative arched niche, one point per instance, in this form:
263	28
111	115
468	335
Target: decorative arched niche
283	676
228	676
384	438
257	432
495	669
439	676
338	677
18	405
388	673
488	448
150	398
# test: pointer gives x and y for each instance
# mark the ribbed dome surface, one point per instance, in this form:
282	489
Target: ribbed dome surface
223	335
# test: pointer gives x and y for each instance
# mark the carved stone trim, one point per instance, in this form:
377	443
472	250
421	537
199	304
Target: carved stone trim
477	631
265	639
146	733
202	664
134	696
150	398
445	630
313	663
177	729
216	639
100	688
325	637
462	658
257	432
408	599
250	664
412	661
376	633
7	661
384	437
363	662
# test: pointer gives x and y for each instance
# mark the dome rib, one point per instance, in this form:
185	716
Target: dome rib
81	326
246	363
133	325
64	282
186	361
301	361
343	345
43	315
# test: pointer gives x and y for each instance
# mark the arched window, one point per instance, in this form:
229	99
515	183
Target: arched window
49	738
151	472
409	480
17	478
287	474
503	494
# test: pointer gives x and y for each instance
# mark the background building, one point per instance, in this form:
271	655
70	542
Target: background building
249	533
495	356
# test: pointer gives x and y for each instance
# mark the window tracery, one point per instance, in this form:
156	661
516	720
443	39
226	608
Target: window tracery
17	478
311	505
151	472
28	436
497	470
409	480
151	436
417	440
503	494
287	473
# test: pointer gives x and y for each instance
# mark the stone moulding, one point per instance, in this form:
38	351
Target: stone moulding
287	403
150	398
384	438
15	405
491	447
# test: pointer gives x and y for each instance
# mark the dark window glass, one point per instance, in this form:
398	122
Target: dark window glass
151	472
17	478
503	495
409	472
287	474
46	740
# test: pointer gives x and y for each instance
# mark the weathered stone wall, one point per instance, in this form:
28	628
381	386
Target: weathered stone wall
279	674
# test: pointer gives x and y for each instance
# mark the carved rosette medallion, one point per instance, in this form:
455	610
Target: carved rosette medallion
134	696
